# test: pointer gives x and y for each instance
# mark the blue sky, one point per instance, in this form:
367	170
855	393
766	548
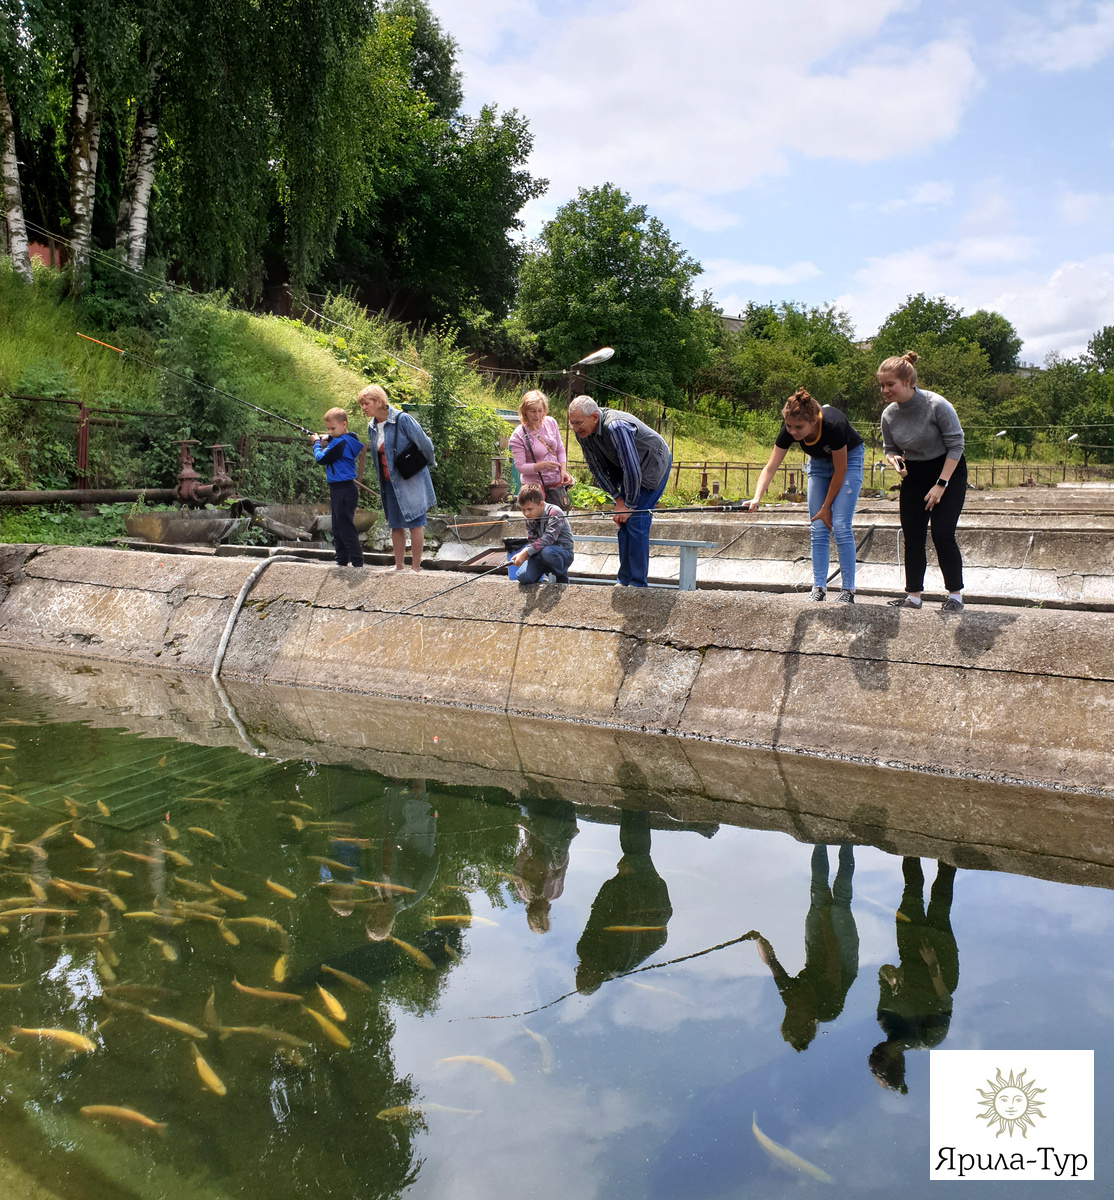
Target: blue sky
852	151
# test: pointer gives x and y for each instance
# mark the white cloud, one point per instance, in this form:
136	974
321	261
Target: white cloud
1084	208
1061	43
726	272
928	195
680	104
1051	310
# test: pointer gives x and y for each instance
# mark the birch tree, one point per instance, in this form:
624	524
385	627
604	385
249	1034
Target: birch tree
16	230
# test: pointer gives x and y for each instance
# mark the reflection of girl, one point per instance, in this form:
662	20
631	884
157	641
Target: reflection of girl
835	478
923	440
543	859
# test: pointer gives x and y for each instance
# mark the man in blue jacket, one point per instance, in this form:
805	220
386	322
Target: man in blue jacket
338	450
631	463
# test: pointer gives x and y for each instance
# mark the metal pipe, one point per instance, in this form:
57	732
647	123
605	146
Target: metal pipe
91	496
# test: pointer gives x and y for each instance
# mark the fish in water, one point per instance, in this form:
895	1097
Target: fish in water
178	1026
333	1006
126	1116
65	1037
209	1077
544	1049
6	746
660	991
328	1028
265	1031
786	1158
104	967
227	892
88	843
452	954
227	934
191	885
296	821
634	928
278	972
14	987
331	863
103	809
212	1021
421	958
291	1055
179	860
496	1068
40	912
165	949
279	890
267	994
143	858
207	833
387	887
260	923
156	918
344	977
461	919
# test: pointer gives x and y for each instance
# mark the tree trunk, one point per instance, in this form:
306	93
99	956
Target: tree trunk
13	198
135	202
85	136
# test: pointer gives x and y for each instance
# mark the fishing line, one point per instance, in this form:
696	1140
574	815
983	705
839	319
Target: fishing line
424	600
746	937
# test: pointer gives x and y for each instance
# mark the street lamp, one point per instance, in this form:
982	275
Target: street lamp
1067	443
993	443
572	374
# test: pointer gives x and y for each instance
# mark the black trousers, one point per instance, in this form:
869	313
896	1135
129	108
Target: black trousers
915	522
342	504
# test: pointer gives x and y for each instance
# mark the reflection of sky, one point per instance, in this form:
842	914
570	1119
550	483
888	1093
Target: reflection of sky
654	1086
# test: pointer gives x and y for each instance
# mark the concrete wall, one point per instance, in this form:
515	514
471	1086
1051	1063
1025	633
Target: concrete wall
974	824
1013	694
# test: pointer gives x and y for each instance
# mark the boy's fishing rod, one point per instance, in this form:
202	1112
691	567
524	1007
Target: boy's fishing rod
208	386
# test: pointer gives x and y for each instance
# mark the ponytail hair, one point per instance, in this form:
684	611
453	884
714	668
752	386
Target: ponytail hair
801	407
902	366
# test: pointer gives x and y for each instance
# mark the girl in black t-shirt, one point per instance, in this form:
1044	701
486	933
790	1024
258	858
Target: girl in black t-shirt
835	478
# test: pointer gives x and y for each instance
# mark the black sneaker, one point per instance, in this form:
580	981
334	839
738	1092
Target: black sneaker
845	597
560	578
951	605
818	593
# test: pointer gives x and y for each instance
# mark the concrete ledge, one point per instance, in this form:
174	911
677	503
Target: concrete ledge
1013	694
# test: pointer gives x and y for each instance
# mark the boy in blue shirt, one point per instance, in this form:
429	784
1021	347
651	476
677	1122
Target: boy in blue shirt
338	450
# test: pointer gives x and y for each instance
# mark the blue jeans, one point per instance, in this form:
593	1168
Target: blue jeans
843	510
634	535
554	560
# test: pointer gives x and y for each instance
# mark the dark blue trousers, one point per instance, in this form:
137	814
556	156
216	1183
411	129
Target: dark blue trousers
342	505
634	536
552	560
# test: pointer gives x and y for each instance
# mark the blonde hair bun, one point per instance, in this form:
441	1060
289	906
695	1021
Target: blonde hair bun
911	357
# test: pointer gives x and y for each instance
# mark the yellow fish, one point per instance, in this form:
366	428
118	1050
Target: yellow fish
401	1112
6	746
461	919
259	923
209	1077
179	860
544	1049
75	1041
334	1006
278	974
40	912
329	1029
227	934
212	1021
634	928
191	885
165	948
297	822
84	841
127	1116
786	1158
279	890
143	858
161	762
104	968
344	977
103	809
331	863
387	887
266	994
451	953
227	892
496	1068
201	832
265	1031
422	959
178	1026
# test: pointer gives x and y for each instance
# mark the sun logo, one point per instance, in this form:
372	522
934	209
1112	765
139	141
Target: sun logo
1010	1103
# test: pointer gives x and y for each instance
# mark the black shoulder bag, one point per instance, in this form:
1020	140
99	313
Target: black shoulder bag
410	461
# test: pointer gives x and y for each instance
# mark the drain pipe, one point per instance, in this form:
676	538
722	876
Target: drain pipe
252	577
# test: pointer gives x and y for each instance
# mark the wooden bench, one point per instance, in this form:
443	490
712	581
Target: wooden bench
686	576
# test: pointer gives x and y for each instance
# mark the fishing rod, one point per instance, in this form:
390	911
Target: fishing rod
207	386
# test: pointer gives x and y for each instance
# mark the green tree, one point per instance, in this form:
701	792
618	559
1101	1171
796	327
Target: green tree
921	320
605	273
1100	350
994	335
432	57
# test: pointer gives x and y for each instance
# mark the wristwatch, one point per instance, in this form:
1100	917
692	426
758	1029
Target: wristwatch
941	483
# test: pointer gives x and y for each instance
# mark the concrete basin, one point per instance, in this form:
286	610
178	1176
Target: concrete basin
184	527
310	518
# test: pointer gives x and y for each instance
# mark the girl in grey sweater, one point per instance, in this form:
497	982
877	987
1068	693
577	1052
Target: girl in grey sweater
923	440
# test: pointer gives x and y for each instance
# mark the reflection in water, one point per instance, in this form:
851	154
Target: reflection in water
915	998
629	917
831	953
548	828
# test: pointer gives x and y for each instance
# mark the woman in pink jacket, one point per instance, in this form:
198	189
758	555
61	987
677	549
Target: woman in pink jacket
539	454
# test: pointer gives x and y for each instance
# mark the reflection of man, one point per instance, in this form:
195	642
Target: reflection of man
543	858
629	917
631	463
915	999
831	953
